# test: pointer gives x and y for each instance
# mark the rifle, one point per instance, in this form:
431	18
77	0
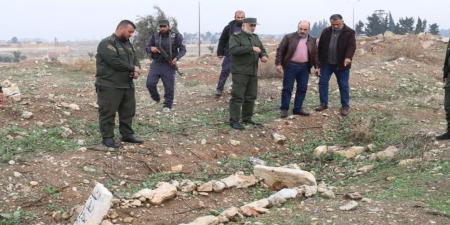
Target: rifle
169	60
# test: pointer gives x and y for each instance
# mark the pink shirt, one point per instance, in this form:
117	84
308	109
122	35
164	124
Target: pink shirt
301	53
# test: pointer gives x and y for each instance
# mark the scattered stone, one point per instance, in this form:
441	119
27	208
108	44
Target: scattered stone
282	196
106	222
26	115
239	180
353	196
218	186
34	183
206	187
67	132
11	162
351	205
366	168
235	143
204	220
279	138
279	178
163	192
11	90
328	194
128	220
323	149
351	152
231	213
17	174
387	154
187	186
255	208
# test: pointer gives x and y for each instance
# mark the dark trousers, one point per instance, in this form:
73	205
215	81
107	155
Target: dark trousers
342	77
295	72
111	100
243	96
166	73
447	104
224	73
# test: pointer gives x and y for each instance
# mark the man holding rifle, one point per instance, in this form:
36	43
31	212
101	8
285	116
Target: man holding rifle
165	49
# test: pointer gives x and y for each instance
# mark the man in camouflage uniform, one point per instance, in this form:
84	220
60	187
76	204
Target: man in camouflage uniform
446	136
246	49
117	66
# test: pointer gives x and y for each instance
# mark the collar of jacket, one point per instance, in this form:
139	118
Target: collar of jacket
231	23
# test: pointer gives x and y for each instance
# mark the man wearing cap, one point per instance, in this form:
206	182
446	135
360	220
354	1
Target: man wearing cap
296	54
246	49
117	66
233	27
170	41
337	45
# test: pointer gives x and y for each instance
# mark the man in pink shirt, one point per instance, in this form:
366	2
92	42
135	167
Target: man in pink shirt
296	55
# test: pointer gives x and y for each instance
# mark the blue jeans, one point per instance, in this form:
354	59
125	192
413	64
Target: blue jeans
295	72
166	73
342	77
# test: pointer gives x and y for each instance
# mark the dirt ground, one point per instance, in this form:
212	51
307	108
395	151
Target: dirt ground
44	174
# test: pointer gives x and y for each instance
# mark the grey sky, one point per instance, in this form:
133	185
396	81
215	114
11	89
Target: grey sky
94	19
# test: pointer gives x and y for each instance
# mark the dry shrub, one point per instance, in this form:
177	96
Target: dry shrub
268	69
81	65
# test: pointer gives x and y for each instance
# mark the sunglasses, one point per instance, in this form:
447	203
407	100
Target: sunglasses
253	25
162	26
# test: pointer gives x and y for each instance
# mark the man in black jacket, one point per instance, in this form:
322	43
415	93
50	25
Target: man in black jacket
233	27
2	97
337	45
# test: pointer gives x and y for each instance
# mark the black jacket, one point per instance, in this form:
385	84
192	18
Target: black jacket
172	43
346	46
223	47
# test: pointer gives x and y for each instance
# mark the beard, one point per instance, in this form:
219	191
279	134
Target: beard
239	22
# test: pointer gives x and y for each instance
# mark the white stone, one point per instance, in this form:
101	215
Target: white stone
163	192
387	154
279	177
204	220
351	152
320	150
255	208
27	115
279	138
351	205
239	181
96	207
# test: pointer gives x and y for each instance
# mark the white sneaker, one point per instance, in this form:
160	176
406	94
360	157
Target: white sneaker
166	110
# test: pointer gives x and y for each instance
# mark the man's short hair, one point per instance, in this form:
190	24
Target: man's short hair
335	17
124	23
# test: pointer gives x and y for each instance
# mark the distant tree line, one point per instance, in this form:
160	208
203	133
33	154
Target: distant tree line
379	23
15	56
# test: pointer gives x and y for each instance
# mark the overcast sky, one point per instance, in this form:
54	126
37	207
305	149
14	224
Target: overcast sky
95	19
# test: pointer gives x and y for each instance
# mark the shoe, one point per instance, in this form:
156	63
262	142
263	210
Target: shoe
237	126
166	110
321	108
132	139
345	111
218	93
110	143
445	136
301	113
284	114
251	122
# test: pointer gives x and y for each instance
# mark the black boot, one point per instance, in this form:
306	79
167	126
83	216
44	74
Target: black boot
237	126
444	136
251	122
132	139
110	143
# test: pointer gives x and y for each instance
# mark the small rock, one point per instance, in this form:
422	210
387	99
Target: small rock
106	222
320	151
279	138
128	220
351	205
34	183
279	177
366	168
328	194
351	152
235	143
27	115
255	208
206	187
387	154
17	174
409	162
353	196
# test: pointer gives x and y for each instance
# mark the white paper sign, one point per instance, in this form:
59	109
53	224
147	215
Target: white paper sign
96	207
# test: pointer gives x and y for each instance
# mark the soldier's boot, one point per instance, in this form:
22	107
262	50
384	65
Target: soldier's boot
132	139
110	143
444	136
237	126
